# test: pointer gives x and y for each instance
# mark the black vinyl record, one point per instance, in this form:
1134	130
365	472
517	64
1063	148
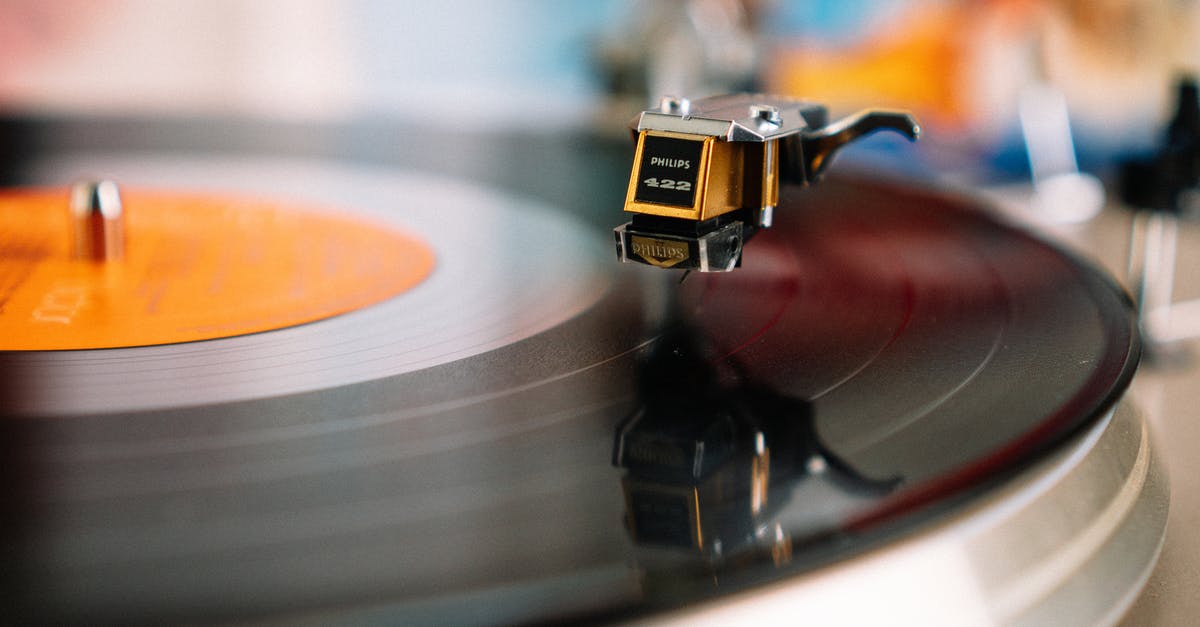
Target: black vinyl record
882	357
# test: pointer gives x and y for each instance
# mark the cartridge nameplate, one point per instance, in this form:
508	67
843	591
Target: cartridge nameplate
663	253
668	169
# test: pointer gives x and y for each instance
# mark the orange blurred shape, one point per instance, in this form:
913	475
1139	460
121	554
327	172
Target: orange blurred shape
916	64
196	267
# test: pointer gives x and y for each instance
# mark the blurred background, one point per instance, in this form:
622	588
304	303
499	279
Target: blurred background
1020	100
475	65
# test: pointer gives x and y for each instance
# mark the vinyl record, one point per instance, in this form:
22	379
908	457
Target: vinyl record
490	288
535	432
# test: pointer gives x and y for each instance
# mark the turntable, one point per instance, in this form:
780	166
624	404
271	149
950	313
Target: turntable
377	394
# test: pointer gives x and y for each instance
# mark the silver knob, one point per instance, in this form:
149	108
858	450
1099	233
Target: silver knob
766	113
674	105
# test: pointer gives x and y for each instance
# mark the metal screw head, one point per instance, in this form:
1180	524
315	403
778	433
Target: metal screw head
766	113
674	105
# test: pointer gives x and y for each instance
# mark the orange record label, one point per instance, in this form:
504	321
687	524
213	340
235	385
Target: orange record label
195	267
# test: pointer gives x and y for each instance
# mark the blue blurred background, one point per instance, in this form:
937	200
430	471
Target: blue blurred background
483	66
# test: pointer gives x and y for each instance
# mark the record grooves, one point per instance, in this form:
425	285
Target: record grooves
896	353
